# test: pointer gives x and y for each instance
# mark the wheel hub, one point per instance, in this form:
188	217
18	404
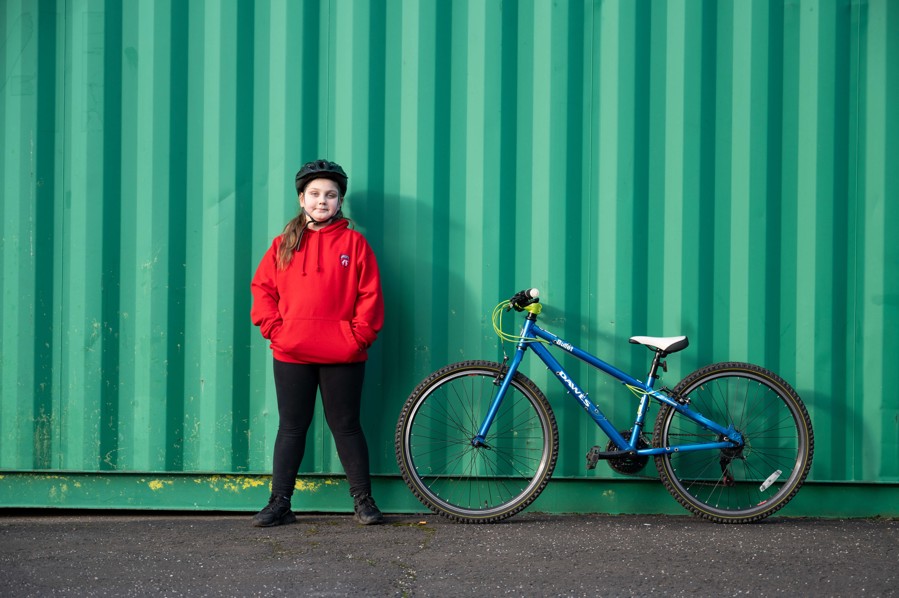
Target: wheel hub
731	453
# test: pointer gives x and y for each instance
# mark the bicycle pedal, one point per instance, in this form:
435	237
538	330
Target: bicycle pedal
593	457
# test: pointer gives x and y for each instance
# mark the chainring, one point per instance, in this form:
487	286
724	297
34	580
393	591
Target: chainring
631	464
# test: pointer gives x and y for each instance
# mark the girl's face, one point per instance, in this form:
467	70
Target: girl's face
321	200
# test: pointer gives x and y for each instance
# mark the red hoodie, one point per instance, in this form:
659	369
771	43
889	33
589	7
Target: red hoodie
326	306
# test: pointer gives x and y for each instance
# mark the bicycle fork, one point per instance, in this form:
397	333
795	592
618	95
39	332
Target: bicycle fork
503	380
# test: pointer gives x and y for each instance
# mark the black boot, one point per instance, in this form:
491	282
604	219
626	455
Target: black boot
365	510
277	512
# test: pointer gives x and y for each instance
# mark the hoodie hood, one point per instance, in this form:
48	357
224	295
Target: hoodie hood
311	237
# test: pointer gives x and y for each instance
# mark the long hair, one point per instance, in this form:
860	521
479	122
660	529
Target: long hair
292	236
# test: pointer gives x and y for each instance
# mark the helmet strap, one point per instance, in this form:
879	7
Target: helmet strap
309	219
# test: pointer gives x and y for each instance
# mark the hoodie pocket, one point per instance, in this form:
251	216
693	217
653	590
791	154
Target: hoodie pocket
318	341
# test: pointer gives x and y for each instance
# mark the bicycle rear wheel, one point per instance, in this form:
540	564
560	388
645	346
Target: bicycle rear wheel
741	484
458	480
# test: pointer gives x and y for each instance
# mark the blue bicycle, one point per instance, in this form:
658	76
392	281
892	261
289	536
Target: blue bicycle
477	441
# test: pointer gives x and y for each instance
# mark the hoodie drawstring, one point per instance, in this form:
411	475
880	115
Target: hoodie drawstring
318	264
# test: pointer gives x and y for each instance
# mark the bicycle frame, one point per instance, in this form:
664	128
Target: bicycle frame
531	337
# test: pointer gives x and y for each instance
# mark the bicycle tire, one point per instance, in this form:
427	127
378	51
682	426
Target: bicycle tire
736	485
462	482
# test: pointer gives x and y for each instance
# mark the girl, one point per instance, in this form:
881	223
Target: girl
317	298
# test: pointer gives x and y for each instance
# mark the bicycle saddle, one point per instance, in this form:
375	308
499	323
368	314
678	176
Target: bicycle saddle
665	344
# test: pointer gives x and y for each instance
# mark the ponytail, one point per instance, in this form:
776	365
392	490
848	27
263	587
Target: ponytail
290	239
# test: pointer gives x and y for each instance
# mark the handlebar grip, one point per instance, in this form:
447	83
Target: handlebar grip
521	299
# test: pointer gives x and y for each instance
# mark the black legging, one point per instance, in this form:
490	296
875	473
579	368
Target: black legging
341	390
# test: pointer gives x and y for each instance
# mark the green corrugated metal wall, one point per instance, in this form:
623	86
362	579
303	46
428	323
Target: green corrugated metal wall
719	169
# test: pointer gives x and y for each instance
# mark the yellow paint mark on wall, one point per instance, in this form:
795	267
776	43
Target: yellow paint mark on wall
232	483
306	486
312	485
58	492
159	484
247	483
236	484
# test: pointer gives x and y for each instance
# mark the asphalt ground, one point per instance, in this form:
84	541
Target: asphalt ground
59	553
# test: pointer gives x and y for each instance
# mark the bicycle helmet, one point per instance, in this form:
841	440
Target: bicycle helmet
321	169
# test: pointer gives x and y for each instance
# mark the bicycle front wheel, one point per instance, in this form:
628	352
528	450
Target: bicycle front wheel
461	481
739	484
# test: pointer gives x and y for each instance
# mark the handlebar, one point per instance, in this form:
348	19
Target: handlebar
522	299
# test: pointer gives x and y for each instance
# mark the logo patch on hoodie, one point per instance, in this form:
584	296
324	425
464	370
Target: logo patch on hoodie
344	260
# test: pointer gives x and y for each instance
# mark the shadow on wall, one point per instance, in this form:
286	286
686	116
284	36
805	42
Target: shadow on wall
415	278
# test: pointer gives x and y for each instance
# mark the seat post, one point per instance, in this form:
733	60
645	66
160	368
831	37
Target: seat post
656	362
